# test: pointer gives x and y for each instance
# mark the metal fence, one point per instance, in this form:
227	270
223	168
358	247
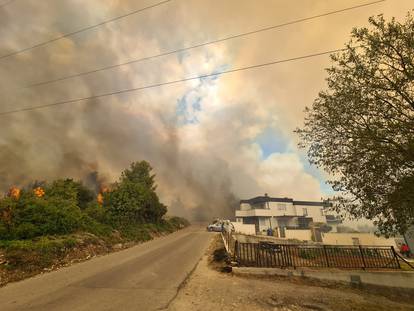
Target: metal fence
323	256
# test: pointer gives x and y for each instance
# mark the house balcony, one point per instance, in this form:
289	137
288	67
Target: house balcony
263	213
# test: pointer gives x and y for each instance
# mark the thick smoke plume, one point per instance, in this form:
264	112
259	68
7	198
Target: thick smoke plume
79	139
210	141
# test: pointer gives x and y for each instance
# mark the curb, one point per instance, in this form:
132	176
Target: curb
401	279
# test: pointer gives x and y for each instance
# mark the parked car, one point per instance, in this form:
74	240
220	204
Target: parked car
215	227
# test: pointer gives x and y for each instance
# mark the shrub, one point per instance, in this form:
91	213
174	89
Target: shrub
70	190
97	212
132	206
307	254
95	227
178	222
37	216
30	255
136	232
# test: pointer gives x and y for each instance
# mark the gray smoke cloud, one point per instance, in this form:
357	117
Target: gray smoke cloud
201	137
78	139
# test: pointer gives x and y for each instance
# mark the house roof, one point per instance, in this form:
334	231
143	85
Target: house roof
264	199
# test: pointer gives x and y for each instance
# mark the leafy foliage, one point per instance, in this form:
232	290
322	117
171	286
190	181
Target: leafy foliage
32	216
361	129
133	199
68	189
68	206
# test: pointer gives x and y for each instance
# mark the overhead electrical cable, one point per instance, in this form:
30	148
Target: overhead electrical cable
214	74
83	29
200	45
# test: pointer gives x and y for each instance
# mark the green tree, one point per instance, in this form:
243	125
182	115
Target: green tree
7	211
361	129
68	189
133	198
139	173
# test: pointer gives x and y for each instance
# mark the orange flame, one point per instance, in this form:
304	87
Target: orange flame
14	193
39	192
99	198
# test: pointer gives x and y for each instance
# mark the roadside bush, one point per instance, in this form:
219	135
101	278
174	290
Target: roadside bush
220	254
70	190
30	255
97	212
95	227
178	222
307	254
65	206
4	232
136	233
33	216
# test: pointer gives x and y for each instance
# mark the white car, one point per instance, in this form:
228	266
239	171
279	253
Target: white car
215	227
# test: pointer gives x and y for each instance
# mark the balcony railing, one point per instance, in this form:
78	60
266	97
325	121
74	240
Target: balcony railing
264	213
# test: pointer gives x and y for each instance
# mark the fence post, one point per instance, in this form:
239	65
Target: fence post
236	252
285	256
326	255
228	240
362	257
395	257
258	254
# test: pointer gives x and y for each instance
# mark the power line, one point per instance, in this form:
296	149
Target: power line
199	45
83	29
169	82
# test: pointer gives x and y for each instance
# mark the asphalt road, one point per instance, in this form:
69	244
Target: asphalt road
144	277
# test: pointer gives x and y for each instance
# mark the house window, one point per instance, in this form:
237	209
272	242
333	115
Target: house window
305	212
355	241
281	207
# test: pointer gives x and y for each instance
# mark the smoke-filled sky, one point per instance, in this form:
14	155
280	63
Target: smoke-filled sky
211	141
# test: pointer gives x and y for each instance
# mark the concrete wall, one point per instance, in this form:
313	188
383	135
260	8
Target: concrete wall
334	227
245	206
299	234
364	239
316	212
244	228
243	238
282	208
401	279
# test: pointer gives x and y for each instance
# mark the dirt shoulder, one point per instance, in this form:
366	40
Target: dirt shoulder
210	289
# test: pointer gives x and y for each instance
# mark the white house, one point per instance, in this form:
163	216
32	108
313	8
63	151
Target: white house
280	214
